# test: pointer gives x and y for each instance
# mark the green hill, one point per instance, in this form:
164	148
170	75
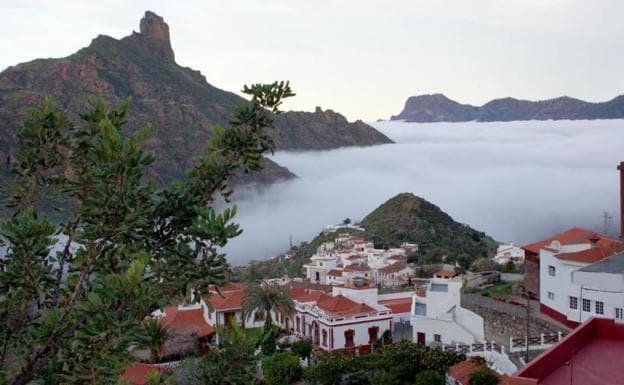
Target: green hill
403	218
408	218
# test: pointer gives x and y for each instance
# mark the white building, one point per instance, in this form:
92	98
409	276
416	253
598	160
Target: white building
349	318
509	252
580	281
438	318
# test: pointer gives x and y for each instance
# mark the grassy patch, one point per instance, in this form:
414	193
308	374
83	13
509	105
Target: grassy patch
499	289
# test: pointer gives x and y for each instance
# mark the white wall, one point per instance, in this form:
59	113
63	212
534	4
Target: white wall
451	332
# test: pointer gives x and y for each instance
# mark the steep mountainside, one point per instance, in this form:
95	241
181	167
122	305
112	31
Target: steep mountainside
179	101
439	108
323	130
403	218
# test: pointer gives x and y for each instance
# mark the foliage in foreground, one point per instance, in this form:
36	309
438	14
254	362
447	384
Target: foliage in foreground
281	368
392	364
69	315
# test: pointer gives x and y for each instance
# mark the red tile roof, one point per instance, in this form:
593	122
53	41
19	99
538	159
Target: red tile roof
399	305
308	285
136	374
392	268
187	321
398	257
573	235
356	267
445	273
341	305
335	273
462	370
227	300
305	295
352	257
604	248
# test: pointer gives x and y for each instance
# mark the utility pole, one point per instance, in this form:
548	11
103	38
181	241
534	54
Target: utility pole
528	325
290	241
606	221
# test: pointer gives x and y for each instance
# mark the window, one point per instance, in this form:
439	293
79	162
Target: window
318	276
619	313
586	305
551	296
599	307
324	337
298	324
349	334
259	316
574	303
372	334
437	338
551	271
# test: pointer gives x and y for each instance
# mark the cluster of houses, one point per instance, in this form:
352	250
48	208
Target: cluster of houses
350	256
577	276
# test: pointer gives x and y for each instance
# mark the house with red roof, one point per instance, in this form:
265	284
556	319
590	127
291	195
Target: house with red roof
576	280
224	306
532	251
189	332
348	318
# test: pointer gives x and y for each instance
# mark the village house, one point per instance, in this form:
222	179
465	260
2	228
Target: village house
571	289
509	253
348	257
438	318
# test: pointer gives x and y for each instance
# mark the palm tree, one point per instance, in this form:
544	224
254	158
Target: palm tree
266	297
156	334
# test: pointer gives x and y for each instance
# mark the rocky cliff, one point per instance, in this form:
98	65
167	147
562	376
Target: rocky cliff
439	108
178	101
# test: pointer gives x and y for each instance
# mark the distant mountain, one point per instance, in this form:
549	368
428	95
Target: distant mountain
403	218
439	108
179	101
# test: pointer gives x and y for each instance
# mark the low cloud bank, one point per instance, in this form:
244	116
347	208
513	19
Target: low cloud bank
516	181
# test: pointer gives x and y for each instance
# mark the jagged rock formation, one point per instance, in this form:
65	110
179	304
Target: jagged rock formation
439	108
178	101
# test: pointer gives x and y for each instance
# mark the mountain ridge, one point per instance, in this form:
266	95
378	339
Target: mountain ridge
439	108
179	101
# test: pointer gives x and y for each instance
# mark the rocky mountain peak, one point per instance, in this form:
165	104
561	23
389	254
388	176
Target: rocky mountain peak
154	36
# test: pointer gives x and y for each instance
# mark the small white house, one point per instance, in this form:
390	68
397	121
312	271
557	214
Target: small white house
438	318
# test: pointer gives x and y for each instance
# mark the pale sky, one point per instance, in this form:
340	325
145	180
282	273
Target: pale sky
361	58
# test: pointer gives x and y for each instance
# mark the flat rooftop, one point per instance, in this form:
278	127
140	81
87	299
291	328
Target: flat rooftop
590	355
596	363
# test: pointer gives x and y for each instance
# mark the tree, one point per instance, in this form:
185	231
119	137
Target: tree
329	369
483	376
267	297
346	221
281	368
156	335
429	377
125	247
302	348
233	362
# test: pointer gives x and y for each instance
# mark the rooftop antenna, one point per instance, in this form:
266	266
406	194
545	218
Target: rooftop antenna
290	241
606	222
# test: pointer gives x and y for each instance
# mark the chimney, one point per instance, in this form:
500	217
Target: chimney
593	239
621	169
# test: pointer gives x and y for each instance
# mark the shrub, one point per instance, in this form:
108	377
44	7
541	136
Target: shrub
483	376
281	368
302	348
429	377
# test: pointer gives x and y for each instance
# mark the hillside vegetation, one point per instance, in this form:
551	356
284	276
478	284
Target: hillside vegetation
403	218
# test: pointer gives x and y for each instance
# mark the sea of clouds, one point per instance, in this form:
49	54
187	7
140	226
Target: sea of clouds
517	181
